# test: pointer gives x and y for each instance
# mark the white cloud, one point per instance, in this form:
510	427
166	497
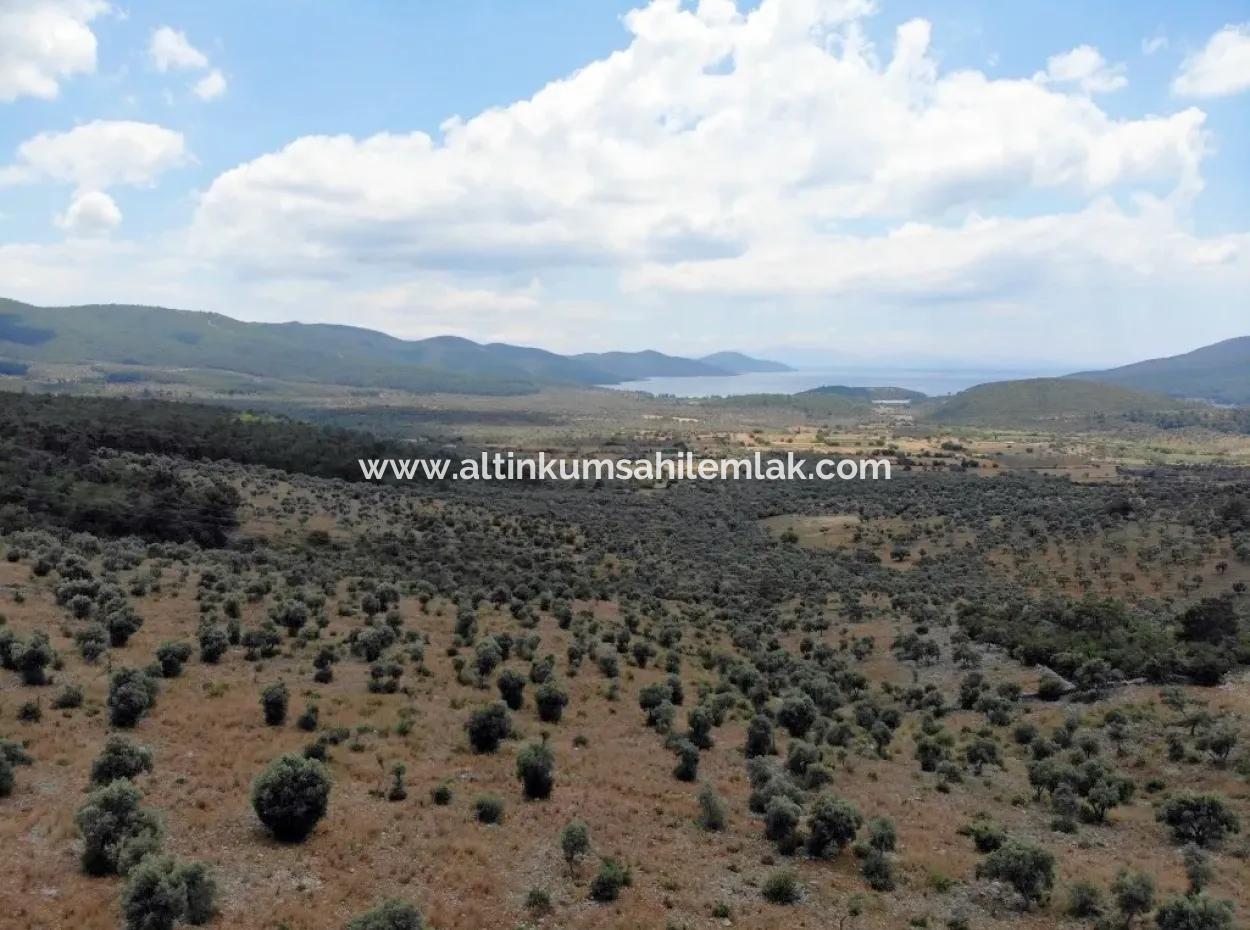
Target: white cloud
43	42
1085	67
169	49
1222	67
92	213
211	86
713	134
1153	44
102	154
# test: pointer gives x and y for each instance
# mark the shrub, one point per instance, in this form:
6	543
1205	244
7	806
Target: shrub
1134	894
69	697
1025	866
551	702
117	831
797	713
612	877
171	657
699	720
882	835
878	871
213	644
30	712
1195	912
1202	819
781	887
32	659
760	737
6	777
535	767
831	826
781	821
511	685
393	915
687	768
290	796
132	693
574	842
160	892
488	808
307	721
274	700
440	794
155	897
487	727
120	758
1085	901
713	815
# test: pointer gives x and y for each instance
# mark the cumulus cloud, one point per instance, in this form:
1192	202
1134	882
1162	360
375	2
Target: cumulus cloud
715	134
102	154
1220	68
43	42
170	49
1085	67
91	213
210	86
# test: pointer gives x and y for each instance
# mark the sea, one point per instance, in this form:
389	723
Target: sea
934	382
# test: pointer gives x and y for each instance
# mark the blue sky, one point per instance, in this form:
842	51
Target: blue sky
893	181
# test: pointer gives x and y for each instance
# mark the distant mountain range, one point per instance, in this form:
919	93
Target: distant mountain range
1219	373
156	337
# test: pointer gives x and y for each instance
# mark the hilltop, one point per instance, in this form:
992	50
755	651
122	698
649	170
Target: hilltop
1219	373
1034	399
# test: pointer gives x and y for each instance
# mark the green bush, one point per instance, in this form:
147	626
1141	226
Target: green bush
132	693
1195	912
1023	865
171	657
535	767
781	887
274	700
1202	819
550	701
831	826
393	915
574	842
488	808
687	768
291	796
511	685
161	892
487	727
120	758
117	831
607	884
713	815
440	794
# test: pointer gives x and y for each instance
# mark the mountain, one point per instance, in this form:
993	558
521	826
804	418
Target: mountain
738	364
160	338
1009	403
1219	372
634	366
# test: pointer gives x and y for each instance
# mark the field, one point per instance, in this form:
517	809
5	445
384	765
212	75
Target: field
864	626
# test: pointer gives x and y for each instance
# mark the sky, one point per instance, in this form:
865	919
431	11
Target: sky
880	181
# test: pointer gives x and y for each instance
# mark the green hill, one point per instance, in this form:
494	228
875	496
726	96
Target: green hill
1007	403
633	366
1219	373
738	364
159	338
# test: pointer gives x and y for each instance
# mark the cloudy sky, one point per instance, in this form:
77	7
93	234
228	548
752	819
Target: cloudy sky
894	180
